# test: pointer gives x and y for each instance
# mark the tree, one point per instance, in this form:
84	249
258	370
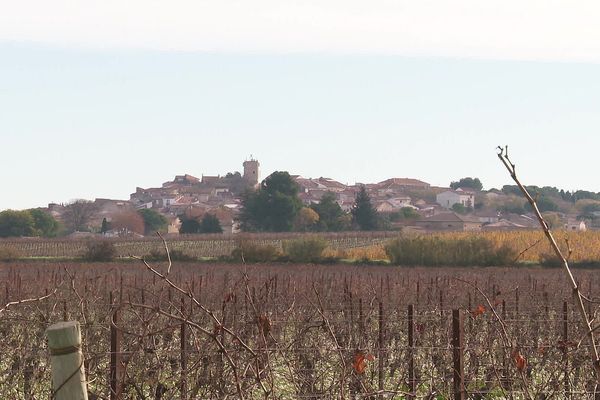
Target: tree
363	213
127	222
544	204
210	224
44	224
331	215
273	207
153	221
470	183
16	223
77	215
306	220
105	226
587	208
404	214
188	225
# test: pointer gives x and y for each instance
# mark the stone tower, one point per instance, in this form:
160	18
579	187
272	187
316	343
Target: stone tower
251	172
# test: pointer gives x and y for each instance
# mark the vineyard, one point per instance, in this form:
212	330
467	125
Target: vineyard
210	246
530	246
219	331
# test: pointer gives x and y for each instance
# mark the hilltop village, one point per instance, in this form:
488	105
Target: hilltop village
403	203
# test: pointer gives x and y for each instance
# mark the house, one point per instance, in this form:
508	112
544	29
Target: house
488	217
449	221
449	198
332	185
210	180
186	179
393	204
306	185
575	225
396	185
524	220
504	225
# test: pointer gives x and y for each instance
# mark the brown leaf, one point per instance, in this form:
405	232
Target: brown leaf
478	311
360	361
520	361
264	324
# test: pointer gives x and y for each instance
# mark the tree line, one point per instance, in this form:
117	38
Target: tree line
77	217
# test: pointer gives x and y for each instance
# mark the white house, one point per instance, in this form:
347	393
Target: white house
394	204
574	225
451	197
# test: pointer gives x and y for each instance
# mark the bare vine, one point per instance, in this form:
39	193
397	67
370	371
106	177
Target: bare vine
577	295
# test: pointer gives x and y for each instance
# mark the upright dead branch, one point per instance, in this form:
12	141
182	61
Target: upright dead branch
578	297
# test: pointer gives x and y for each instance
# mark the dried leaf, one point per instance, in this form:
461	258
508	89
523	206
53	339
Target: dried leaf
520	361
478	311
360	361
264	324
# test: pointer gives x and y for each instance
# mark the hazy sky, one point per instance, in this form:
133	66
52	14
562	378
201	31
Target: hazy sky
97	98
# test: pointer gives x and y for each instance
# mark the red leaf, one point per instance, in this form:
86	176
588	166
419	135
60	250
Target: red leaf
478	311
520	361
360	361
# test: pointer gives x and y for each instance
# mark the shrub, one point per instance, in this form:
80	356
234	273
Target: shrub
100	251
176	255
438	251
309	249
253	252
550	260
9	254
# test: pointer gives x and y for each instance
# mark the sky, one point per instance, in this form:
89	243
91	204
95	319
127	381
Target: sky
97	98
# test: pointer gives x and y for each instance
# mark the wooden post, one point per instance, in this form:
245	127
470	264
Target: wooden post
381	353
68	373
565	338
517	303
115	352
589	303
183	339
457	344
412	383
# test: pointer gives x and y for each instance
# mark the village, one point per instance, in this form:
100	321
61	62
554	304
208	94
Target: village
404	203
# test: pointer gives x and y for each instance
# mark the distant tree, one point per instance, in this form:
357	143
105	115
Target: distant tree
306	220
583	195
331	215
44	224
234	181
105	226
273	207
78	214
188	225
590	208
210	224
470	183
409	213
544	203
153	221
127	222
16	223
363	213
403	214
